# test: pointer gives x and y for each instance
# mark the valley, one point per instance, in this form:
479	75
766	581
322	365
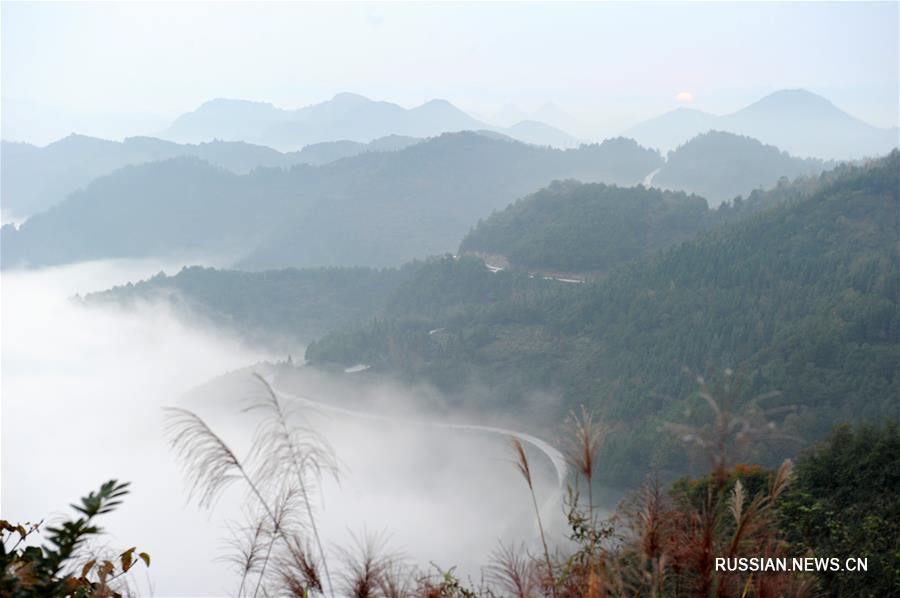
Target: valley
449	300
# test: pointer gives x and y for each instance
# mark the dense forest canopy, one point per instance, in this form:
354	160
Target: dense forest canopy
845	502
585	230
288	305
794	289
800	299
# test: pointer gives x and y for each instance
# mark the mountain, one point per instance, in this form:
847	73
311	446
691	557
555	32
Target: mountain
221	118
795	120
329	151
582	230
720	166
566	226
373	209
806	124
422	201
182	206
510	115
801	298
34	178
391	143
345	117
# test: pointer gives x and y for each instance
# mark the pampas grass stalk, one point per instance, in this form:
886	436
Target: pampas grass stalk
247	549
524	468
212	466
583	442
511	570
366	566
284	437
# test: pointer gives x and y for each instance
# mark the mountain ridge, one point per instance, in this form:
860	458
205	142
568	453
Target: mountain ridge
798	301
345	116
720	166
372	209
795	120
34	178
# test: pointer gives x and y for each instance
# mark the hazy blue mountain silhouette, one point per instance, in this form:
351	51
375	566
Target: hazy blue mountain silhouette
720	166
374	209
795	120
34	178
345	116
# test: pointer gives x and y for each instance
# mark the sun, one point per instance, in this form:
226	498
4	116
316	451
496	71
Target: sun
684	97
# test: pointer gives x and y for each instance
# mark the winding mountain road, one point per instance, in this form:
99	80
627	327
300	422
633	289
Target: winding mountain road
556	458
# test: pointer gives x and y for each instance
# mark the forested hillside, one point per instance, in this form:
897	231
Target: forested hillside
800	299
585	230
385	209
721	166
589	229
375	209
277	305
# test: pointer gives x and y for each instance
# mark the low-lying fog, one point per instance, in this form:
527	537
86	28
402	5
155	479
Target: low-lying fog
83	391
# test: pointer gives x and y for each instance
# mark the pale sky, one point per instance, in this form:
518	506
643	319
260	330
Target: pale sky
608	64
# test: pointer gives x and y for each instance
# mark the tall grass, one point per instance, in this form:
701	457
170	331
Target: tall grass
298	453
658	543
512	572
280	472
524	467
582	440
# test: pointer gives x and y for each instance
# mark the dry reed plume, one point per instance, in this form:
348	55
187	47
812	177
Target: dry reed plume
658	544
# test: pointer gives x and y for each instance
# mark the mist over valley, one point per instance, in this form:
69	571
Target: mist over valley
449	300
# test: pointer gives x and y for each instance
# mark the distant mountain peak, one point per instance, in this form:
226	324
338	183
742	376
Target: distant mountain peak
229	102
795	94
793	99
346	116
717	137
346	97
79	141
439	103
440	108
74	137
796	120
